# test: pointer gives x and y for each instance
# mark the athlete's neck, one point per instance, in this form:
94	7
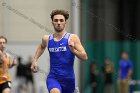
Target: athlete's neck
2	51
59	35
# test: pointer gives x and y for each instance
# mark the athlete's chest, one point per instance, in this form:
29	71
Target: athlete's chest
124	64
60	46
5	55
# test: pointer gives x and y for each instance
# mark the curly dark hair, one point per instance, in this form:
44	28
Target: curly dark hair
61	12
2	37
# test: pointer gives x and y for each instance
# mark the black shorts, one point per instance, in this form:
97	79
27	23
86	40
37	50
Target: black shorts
5	85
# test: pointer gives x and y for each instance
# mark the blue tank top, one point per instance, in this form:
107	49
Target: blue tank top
61	58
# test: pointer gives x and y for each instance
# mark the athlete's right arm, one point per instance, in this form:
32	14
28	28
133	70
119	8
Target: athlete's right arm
41	48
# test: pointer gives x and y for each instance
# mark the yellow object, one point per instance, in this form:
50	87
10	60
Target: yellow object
2	71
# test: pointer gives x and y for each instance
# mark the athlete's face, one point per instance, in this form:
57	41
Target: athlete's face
124	56
59	23
2	44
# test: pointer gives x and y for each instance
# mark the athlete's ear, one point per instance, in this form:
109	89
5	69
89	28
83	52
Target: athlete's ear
52	22
65	21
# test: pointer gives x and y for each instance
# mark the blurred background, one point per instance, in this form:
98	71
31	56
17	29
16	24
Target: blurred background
105	27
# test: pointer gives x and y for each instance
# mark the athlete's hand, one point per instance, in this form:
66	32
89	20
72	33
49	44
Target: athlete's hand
71	45
4	77
34	67
14	62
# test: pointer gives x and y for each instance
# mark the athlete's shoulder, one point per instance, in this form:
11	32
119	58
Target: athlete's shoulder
8	55
44	40
45	37
73	36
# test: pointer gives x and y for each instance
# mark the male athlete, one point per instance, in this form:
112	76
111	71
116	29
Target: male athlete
5	64
125	73
62	47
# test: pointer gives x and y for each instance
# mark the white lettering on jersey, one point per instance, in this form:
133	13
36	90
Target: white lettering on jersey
58	49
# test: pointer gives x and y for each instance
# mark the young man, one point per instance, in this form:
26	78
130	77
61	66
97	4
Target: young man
125	72
94	74
5	63
108	86
62	47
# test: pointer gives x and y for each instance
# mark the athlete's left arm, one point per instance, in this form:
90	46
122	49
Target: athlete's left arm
77	48
130	71
12	62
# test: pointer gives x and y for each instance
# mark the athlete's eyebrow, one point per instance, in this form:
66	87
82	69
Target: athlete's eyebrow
61	20
56	20
2	42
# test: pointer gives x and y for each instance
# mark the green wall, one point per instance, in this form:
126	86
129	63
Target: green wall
99	50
